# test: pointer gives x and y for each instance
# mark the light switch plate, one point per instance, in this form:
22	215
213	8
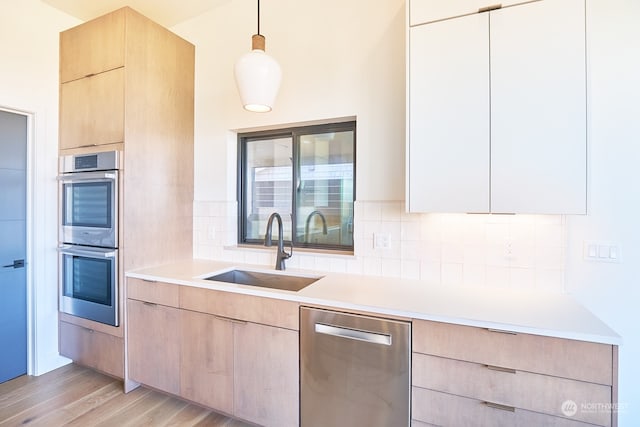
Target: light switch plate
599	251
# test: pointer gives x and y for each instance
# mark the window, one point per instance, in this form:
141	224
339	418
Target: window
307	175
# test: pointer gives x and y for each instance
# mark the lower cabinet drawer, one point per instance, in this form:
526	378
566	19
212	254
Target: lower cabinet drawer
442	409
580	360
250	308
91	348
508	387
155	292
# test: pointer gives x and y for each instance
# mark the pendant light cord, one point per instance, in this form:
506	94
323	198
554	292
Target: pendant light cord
258	16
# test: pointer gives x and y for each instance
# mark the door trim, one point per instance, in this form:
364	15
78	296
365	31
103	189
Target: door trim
31	294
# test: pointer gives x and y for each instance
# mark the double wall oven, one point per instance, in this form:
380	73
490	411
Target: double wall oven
88	235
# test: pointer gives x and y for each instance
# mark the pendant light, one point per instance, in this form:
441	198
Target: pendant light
257	76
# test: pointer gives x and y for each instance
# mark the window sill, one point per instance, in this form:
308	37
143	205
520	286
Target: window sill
315	252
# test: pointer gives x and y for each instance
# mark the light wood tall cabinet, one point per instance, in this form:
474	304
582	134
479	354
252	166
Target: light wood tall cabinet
473	376
497	107
127	84
237	354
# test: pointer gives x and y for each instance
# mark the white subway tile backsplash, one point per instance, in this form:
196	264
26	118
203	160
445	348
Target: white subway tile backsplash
410	269
391	211
474	274
372	266
371	211
430	272
520	251
497	276
337	265
523	278
355	265
452	274
551	280
474	254
453	252
307	262
410	250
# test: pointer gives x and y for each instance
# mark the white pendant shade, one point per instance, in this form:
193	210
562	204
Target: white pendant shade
258	79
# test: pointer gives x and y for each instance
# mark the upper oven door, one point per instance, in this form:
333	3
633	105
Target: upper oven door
89	208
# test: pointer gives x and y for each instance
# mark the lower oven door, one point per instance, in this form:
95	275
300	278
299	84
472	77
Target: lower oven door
89	283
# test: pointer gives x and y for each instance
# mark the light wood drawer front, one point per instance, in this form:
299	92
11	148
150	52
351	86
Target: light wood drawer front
524	390
91	348
155	292
267	311
565	358
449	410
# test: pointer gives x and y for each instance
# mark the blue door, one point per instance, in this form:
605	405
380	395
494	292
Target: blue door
13	225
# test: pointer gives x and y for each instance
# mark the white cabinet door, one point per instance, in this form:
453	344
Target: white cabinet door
423	11
448	151
538	108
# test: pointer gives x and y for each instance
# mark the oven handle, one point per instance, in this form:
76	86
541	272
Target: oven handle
88	176
68	250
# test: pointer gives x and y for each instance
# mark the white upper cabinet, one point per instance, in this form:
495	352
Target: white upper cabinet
423	11
497	111
448	155
538	108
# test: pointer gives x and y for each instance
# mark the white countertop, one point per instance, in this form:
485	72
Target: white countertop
525	311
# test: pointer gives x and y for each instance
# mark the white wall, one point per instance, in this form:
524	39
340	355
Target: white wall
338	59
29	82
612	291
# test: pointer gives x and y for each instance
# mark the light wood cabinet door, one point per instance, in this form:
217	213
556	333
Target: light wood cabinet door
93	47
538	108
448	152
91	348
92	110
206	368
266	377
423	11
154	343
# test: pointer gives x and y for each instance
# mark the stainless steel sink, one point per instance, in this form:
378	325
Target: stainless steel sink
265	280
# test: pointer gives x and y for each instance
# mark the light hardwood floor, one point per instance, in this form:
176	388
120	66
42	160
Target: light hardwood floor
79	397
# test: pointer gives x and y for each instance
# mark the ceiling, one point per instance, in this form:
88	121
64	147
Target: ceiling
165	12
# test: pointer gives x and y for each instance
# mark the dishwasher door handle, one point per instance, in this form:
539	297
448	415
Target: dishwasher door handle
353	334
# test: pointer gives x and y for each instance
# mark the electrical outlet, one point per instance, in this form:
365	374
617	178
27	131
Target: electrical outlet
508	249
381	241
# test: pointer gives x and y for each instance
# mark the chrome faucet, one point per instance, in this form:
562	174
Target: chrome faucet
306	227
281	255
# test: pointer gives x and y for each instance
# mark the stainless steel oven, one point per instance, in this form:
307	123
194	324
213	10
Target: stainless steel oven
88	236
89	283
89	199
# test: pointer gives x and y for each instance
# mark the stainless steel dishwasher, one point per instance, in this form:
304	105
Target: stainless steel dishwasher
354	370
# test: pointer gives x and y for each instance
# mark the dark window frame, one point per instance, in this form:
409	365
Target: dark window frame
294	133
